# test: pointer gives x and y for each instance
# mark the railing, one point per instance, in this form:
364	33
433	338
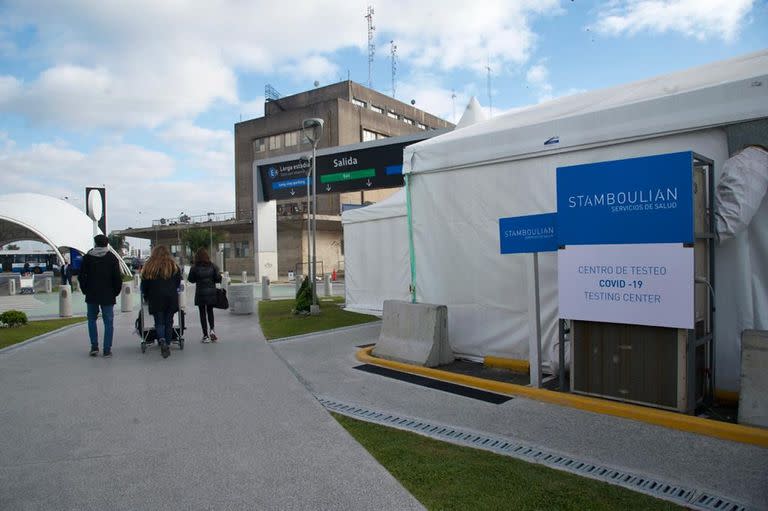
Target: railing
246	214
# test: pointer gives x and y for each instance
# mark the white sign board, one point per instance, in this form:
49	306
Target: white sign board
641	284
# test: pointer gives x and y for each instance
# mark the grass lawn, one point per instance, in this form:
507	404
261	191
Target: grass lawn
9	336
446	476
278	321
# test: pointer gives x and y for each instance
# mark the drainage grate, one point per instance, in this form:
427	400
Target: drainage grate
695	499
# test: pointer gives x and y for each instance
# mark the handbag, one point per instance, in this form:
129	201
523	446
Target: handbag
221	299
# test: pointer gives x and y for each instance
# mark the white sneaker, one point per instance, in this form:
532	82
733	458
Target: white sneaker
205	339
214	337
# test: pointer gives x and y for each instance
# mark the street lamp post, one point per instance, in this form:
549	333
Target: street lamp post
308	160
313	130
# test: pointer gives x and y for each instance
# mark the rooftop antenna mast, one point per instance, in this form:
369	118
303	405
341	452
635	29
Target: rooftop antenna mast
490	97
393	55
371	45
453	100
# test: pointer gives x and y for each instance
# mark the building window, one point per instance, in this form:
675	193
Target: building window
377	109
275	142
392	115
259	145
292	138
407	121
358	102
421	126
242	249
369	135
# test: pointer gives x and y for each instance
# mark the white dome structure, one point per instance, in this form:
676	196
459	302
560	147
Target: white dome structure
33	216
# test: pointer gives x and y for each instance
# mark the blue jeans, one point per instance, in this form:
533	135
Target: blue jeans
164	325
108	315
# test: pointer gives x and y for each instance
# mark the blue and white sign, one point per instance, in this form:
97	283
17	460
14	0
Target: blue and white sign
526	234
622	227
637	200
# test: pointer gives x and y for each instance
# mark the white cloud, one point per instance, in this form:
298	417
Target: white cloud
252	108
538	78
137	179
144	63
206	149
455	34
700	19
9	88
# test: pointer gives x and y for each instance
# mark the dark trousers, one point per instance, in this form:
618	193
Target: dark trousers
206	310
164	325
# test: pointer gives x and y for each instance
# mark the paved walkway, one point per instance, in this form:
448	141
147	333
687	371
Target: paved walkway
216	426
325	363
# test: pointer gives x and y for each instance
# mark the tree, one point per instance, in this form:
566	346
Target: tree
198	238
117	241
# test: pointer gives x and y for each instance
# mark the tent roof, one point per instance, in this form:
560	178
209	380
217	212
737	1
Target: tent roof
474	113
32	216
391	207
712	95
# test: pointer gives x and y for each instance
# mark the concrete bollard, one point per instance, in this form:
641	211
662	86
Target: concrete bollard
327	285
48	285
136	281
12	286
241	299
299	280
244	277
265	291
65	301
126	298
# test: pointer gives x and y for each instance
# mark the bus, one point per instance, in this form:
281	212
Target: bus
38	260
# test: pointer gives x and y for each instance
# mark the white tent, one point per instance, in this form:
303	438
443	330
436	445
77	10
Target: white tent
376	252
462	182
376	266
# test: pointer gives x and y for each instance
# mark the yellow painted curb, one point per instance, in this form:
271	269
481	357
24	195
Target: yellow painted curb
514	365
723	430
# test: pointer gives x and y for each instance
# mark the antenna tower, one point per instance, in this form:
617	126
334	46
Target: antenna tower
453	101
371	45
393	55
490	97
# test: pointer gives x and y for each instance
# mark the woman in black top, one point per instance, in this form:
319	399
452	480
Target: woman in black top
160	281
205	275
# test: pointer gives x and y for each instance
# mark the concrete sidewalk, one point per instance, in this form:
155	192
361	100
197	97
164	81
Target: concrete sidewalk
325	363
216	426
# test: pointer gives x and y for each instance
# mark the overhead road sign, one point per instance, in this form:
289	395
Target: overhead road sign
365	166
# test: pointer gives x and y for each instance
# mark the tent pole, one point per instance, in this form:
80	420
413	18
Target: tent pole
410	237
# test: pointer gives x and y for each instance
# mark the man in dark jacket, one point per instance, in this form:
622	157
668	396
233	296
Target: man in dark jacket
101	282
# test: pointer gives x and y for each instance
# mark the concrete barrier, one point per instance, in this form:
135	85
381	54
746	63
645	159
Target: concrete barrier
136	281
48	285
415	333
244	277
265	291
126	297
753	393
327	285
65	301
241	299
11	286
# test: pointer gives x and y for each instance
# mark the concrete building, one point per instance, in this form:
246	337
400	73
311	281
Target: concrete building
352	114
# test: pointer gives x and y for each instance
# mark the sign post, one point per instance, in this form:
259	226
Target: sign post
530	234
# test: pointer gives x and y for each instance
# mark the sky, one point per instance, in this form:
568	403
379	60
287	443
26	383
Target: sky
142	96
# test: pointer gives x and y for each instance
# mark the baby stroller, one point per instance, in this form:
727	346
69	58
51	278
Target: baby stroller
146	330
